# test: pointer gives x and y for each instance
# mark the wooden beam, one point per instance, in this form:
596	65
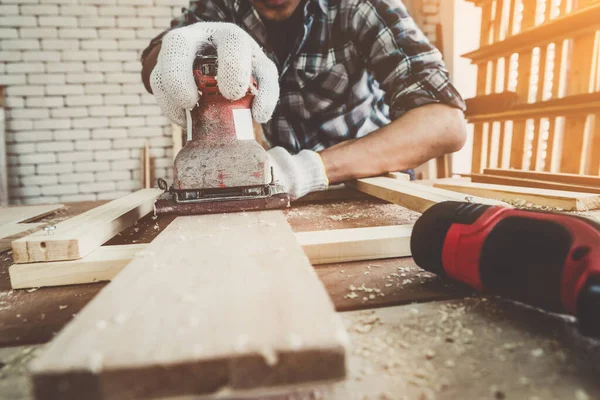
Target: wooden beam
215	302
79	236
321	247
532	183
411	195
572	179
571	201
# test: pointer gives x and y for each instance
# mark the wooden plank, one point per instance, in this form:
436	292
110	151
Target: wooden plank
411	195
577	22
13	215
324	247
79	236
321	247
573	104
102	264
518	140
537	123
573	179
571	201
553	127
594	165
242	309
581	80
477	159
532	183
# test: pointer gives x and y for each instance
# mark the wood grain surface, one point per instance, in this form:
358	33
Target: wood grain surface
244	305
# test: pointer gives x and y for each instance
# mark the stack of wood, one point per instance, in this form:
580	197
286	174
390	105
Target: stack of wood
538	86
556	191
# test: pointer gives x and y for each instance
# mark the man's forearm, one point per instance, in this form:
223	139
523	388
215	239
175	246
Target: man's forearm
419	135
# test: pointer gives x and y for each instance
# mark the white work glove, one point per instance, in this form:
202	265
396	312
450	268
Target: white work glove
300	174
238	57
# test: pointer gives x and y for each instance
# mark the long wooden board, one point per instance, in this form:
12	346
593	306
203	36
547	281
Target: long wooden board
342	245
414	196
13	215
571	179
321	247
215	302
532	183
102	264
571	201
79	236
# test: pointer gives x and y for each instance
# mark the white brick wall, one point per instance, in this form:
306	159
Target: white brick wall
77	113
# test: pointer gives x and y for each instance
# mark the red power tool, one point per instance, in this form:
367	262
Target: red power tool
221	168
547	260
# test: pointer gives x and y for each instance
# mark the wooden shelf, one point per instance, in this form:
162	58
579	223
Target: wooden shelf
576	104
586	19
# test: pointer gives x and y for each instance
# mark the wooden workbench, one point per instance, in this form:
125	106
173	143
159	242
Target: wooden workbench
417	338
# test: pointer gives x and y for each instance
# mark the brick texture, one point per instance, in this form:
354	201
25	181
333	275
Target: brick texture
77	113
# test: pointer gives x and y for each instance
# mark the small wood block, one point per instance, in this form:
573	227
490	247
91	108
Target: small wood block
79	236
570	201
215	302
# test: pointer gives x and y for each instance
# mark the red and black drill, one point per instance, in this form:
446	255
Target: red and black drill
544	259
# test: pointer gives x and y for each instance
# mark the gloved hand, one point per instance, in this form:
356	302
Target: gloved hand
238	57
300	174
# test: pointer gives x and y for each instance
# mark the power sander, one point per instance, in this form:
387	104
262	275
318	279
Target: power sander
221	168
544	259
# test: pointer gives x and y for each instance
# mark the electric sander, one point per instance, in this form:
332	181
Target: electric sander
221	168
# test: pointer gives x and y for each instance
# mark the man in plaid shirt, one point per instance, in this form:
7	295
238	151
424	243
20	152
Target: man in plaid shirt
347	88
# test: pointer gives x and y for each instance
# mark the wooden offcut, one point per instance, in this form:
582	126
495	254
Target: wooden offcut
79	236
321	247
414	196
572	201
215	303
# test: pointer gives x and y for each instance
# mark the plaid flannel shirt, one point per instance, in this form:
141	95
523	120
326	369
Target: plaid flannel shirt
358	65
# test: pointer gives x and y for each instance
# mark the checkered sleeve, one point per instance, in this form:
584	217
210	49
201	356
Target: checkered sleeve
407	66
198	11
